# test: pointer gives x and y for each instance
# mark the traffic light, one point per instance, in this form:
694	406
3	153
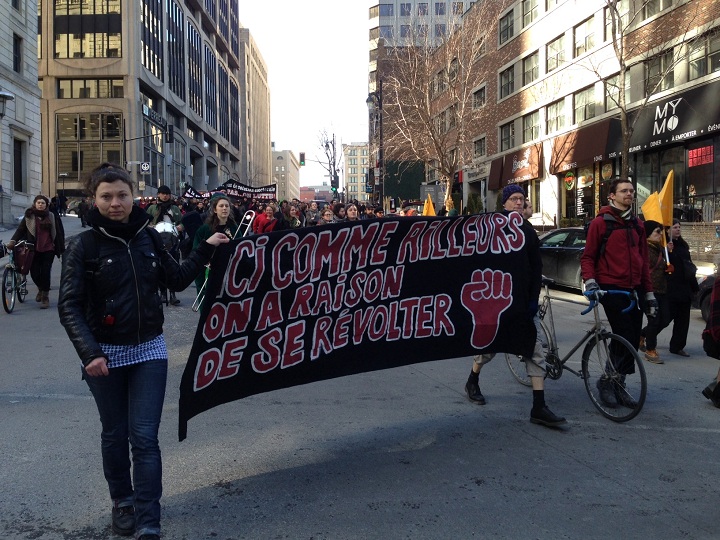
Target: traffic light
170	134
335	182
302	159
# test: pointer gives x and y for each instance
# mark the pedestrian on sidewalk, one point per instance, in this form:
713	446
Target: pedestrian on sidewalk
44	230
658	276
111	310
682	286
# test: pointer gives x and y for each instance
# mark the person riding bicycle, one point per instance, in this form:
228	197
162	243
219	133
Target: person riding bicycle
616	258
513	198
166	211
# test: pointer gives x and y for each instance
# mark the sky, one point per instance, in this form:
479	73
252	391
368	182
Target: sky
316	53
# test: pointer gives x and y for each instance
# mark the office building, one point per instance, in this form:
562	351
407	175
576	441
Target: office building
286	175
176	91
355	159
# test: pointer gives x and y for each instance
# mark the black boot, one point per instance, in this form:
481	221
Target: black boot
715	396
607	396
173	300
622	396
708	390
472	388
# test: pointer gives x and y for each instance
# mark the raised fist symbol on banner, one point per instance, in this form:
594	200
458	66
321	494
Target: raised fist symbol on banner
488	294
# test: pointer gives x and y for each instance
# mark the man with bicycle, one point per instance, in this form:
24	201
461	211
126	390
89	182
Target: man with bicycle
616	258
513	198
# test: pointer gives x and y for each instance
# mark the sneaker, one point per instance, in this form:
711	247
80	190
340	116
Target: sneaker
607	396
123	520
546	417
641	347
652	356
681	352
473	393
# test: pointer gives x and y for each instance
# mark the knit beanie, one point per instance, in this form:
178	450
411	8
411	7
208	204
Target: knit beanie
508	192
650	226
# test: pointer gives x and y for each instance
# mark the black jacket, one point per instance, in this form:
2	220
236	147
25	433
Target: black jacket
111	296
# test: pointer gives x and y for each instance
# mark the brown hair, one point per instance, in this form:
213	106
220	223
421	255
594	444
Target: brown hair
107	172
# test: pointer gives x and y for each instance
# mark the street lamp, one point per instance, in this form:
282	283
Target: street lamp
5	96
375	108
63	176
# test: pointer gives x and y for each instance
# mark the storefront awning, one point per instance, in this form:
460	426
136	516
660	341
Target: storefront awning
579	148
522	165
495	176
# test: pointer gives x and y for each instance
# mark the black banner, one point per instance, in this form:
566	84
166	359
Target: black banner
235	189
294	307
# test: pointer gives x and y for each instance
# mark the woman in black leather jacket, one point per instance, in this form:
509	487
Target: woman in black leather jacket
110	308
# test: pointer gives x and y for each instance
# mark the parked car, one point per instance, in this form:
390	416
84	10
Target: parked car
706	279
560	251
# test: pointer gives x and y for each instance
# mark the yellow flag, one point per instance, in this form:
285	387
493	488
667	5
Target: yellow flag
651	208
666	200
428	209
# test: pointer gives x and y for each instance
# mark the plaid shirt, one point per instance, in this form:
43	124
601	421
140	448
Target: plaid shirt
127	355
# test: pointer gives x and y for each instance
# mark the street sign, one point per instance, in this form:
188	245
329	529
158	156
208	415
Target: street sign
141	185
145	167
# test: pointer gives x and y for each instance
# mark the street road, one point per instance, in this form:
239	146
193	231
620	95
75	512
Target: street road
386	455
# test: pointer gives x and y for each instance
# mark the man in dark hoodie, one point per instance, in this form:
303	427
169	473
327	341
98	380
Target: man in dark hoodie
166	210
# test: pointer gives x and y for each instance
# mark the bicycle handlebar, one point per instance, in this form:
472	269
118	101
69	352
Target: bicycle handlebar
599	293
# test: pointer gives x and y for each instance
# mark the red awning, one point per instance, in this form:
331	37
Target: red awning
580	147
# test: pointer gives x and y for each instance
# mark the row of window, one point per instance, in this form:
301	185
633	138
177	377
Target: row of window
423	9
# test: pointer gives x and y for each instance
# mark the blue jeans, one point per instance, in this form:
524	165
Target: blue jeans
130	401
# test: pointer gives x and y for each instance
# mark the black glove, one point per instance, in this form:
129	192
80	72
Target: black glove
591	289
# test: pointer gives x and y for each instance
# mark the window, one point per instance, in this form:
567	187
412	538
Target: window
507	82
704	56
700	156
16	4
479	98
479	147
623	12
506	27
440	8
386	10
529	11
612	92
556	116
531	126
422	31
453	70
404	30
423	9
457	8
549	4
386	32
653	7
584	37
440	30
584	104
17	53
480	47
555	53
19	166
440	82
659	73
507	136
405	9
531	68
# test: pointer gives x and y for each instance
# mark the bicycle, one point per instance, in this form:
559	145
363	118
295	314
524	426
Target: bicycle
603	351
14	283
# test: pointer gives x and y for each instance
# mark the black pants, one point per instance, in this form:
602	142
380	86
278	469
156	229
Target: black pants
680	315
40	269
655	325
627	325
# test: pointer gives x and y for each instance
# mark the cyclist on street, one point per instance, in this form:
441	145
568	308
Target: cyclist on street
616	258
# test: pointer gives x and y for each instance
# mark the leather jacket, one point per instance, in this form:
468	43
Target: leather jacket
111	296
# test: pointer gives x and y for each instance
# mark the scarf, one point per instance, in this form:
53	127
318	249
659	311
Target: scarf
163	209
624	214
139	219
39	218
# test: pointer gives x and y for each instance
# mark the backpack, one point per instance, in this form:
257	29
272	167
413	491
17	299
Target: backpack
611	225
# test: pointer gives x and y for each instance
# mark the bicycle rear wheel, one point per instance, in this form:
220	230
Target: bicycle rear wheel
8	290
515	361
22	289
617	394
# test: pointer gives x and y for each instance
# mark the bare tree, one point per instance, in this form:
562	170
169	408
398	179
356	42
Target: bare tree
432	100
331	162
633	44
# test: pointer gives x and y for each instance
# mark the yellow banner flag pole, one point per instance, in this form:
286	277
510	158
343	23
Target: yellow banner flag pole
429	208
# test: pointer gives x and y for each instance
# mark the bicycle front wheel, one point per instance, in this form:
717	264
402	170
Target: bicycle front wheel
515	361
614	377
8	290
21	287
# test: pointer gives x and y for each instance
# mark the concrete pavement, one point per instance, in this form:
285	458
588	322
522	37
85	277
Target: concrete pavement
392	454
